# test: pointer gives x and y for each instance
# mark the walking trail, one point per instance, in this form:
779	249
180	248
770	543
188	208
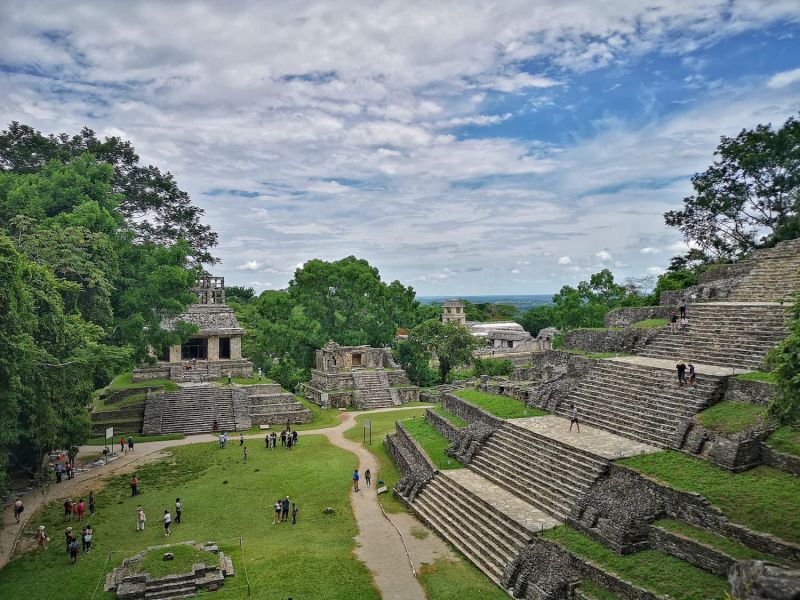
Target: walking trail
386	552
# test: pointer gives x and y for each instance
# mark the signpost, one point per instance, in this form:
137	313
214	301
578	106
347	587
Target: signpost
109	434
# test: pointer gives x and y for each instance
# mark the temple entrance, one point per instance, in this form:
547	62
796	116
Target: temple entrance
195	348
224	347
356	360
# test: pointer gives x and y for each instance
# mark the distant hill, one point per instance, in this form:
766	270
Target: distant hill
522	302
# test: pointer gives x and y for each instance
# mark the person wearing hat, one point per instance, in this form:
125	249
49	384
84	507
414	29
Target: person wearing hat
140	518
67	535
42	539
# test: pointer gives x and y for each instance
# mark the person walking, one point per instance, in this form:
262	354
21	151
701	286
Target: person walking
178	510
86	535
134	485
355	480
130	443
294	437
682	307
167	522
241	440
80	509
41	539
289	442
230	378
285	509
260	373
681	368
244	451
277	518
18	508
91	502
266	441
673	323
141	518
72	547
573	420
691	374
221	441
294	513
368	478
70	470
224	438
122	444
684	324
59	472
274	439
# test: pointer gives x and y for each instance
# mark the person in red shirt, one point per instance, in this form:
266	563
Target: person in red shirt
122	444
135	485
68	508
80	509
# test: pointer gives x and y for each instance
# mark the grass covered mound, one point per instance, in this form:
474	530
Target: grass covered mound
185	557
224	498
433	442
730	547
732	417
454	419
763	376
786	439
651	569
764	499
650	323
124	381
500	406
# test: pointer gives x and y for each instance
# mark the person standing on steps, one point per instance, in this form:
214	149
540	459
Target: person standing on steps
574	419
178	510
368	478
681	368
673	323
684	324
682	307
355	480
692	374
141	518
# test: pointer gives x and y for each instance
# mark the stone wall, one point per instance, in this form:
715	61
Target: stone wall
406	394
780	460
754	392
442	425
118	395
713	290
700	555
150	373
627	316
469	412
629	339
131	411
721	272
733	451
420	459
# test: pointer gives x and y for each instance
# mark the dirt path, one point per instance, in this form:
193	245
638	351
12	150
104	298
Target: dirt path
380	546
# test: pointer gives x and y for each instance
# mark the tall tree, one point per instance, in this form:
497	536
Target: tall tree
748	195
450	343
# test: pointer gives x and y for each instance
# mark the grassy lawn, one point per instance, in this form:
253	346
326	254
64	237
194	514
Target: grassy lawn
123	382
500	406
454	419
786	439
766	377
723	544
764	499
383	423
101	406
136	438
449	580
433	442
654	570
651	323
186	556
595	592
224	498
730	417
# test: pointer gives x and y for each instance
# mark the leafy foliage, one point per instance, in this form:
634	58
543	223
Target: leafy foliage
748	196
450	343
785	362
487	311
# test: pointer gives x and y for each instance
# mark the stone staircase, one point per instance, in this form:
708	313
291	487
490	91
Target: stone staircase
269	403
542	471
640	402
193	409
775	275
722	333
197	374
484	533
372	390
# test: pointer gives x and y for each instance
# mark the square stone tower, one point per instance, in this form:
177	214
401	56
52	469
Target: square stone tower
453	310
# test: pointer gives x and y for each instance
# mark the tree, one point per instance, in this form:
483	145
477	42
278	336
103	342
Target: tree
238	293
785	362
486	311
450	343
748	196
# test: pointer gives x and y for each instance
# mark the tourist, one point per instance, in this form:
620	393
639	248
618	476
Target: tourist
140	518
684	324
294	438
355	480
277	518
41	539
574	419
134	486
87	538
68	509
59	472
18	508
122	444
260	373
72	547
224	438
682	307
692	374
283	437
230	378
285	509
266	440
274	439
368	477
91	503
178	509
673	322
681	368
289	442
244	451
70	470
294	513
221	441
215	426
80	509
130	443
167	522
241	440
67	536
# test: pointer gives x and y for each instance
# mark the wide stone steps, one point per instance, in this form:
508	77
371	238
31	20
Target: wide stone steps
775	274
194	409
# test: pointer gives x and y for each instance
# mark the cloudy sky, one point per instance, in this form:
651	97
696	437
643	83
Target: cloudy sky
461	147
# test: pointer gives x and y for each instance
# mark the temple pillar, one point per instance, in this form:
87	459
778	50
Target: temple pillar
236	347
213	348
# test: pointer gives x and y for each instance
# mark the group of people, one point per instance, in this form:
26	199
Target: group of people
357	479
141	517
77	510
288	438
680	319
123	442
71	541
282	508
686	373
67	469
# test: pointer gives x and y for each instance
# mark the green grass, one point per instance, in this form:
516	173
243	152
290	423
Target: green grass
321	418
786	439
224	498
732	417
500	406
596	592
764	376
420	533
650	323
136	438
186	556
383	423
101	406
244	380
454	419
124	381
764	499
730	547
651	569
433	442
450	580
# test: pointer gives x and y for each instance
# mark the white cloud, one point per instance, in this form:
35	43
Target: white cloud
250	265
564	260
649	250
603	255
783	79
516	271
519	81
655	270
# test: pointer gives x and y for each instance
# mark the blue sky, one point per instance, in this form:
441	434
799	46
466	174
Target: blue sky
461	147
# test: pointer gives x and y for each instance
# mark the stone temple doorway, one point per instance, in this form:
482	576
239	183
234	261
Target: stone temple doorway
356	360
195	349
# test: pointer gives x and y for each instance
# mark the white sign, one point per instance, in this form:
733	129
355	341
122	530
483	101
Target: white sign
110	433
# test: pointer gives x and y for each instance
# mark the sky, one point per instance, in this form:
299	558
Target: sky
461	147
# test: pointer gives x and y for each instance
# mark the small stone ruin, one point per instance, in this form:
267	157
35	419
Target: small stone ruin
209	575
